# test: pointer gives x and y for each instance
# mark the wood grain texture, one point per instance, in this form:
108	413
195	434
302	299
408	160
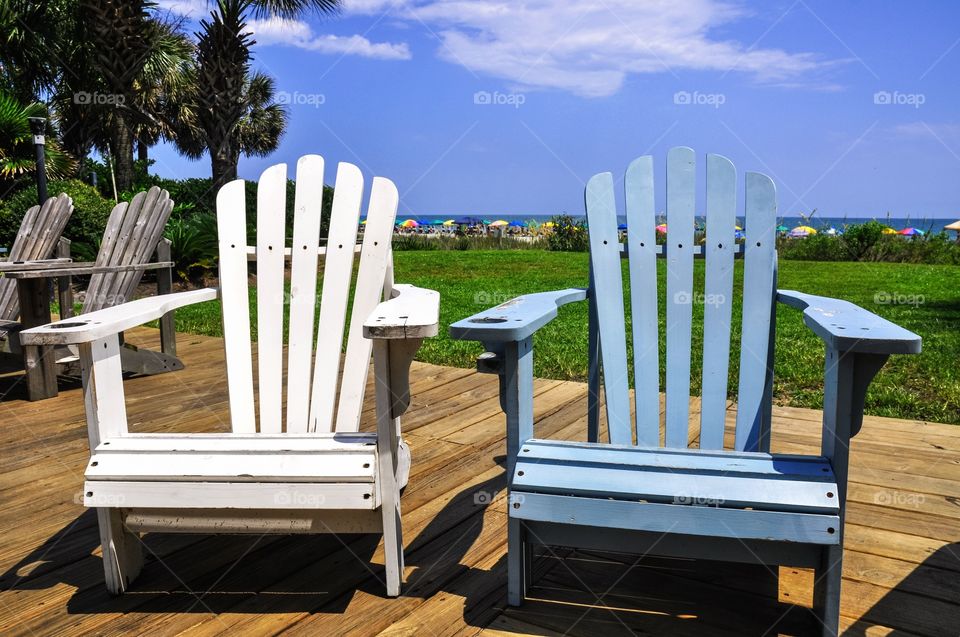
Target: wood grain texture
900	572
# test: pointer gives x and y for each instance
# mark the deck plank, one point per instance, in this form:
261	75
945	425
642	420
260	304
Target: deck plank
902	536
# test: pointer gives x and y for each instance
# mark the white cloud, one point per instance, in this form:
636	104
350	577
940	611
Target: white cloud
190	8
590	47
299	34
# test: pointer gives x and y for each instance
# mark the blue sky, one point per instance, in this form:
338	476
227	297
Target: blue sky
499	107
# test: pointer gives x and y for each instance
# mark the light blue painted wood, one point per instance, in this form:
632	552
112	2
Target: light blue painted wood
770	492
517	318
743	463
641	223
593	367
718	297
766	411
681	191
758	299
669	518
608	288
517	401
850	328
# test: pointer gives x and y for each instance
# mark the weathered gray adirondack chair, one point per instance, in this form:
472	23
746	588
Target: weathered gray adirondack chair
315	475
38	239
637	492
133	234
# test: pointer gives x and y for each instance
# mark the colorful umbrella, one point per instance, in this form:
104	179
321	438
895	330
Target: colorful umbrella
549	224
363	223
517	224
500	222
889	230
782	228
467	221
449	222
409	223
622	226
952	226
802	231
911	232
662	228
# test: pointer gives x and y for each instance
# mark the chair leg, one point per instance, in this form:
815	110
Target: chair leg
392	548
122	555
826	590
518	574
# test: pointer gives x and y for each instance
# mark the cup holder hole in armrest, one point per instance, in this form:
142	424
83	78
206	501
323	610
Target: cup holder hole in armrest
63	326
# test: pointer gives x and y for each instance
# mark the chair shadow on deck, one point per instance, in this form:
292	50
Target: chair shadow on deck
583	592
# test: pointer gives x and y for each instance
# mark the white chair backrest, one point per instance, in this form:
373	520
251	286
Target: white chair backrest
719	249
320	396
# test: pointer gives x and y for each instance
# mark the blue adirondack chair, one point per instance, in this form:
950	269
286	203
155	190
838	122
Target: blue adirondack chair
639	491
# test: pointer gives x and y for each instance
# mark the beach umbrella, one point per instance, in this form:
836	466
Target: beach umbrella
622	226
802	231
409	223
889	230
517	224
549	224
449	222
436	222
953	226
782	228
467	221
662	228
738	228
830	231
363	223
500	222
911	232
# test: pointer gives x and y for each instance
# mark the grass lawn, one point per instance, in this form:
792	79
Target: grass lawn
925	299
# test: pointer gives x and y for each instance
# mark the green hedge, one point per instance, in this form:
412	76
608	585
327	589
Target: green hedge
85	229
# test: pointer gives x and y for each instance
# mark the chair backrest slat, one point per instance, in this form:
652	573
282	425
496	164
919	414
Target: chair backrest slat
303	289
235	300
642	244
681	193
37	238
337	272
608	291
376	257
271	224
718	297
759	284
147	234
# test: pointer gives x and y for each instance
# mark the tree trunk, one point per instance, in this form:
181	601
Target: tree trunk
122	152
143	152
223	163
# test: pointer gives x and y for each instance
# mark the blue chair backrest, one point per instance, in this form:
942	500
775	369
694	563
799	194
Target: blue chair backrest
718	249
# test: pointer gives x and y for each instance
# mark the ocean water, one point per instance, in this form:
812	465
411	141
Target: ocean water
926	224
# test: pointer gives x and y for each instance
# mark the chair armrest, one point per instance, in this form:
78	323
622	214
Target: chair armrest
112	320
850	328
39	264
50	269
516	319
411	312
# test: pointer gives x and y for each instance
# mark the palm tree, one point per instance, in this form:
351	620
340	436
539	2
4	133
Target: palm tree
225	93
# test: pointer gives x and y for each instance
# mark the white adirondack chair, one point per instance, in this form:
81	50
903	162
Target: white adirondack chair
312	472
635	494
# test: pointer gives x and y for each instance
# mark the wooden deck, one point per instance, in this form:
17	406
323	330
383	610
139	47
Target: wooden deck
901	572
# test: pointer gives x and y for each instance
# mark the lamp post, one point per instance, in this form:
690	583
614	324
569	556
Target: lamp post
37	127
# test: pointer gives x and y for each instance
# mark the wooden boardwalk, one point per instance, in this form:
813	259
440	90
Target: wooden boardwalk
901	572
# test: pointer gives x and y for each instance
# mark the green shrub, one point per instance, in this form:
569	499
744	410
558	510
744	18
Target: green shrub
859	238
85	229
193	244
568	235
